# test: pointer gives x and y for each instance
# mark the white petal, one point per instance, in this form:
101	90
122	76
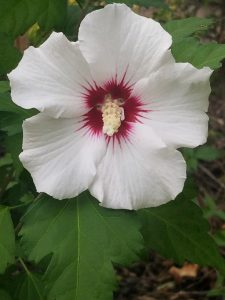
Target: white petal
138	173
61	160
115	40
177	98
50	78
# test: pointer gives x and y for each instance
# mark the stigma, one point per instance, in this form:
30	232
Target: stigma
112	115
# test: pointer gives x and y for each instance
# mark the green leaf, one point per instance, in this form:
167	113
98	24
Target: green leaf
205	153
30	286
11	123
54	16
17	16
180	29
211	210
199	55
11	115
191	160
4	295
4	86
5	175
219	237
208	153
190	190
189	49
192	164
7	239
14	147
71	24
5	160
9	55
80	3
178	231
7	105
84	239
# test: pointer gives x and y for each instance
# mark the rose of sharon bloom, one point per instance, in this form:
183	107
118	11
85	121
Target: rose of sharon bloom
114	107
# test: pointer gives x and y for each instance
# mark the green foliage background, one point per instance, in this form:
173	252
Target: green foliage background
67	249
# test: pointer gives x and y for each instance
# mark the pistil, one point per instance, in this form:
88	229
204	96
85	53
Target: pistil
112	115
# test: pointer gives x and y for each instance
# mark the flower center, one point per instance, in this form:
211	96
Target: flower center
112	114
112	108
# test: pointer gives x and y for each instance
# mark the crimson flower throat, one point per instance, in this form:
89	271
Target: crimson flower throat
112	109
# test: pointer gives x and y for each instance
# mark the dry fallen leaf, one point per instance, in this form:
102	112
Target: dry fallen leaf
188	270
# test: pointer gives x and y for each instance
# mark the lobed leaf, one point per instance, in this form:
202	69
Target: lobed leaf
178	230
188	49
199	55
84	239
180	29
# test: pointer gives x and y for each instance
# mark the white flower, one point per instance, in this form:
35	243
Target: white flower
114	107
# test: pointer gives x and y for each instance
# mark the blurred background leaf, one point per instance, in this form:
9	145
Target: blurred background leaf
7	239
18	16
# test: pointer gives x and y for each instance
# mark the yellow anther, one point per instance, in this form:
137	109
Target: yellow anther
112	115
